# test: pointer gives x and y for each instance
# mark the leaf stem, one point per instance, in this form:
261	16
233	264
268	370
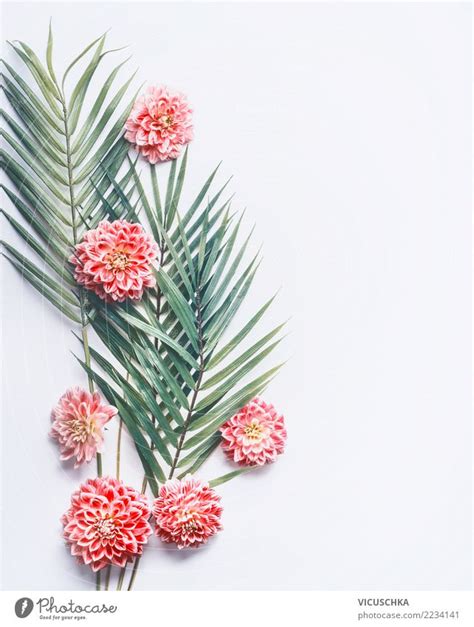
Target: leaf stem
119	439
188	417
157	313
145	482
72	203
198	383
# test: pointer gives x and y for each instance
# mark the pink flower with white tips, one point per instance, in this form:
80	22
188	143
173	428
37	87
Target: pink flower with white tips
255	435
78	421
115	261
187	512
160	124
107	523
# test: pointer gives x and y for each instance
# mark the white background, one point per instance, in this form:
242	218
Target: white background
347	129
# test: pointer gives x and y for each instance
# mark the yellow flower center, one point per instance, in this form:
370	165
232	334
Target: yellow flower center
254	431
117	260
188	522
166	120
105	527
82	429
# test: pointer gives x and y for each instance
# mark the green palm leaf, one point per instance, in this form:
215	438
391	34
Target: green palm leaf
172	345
169	366
54	155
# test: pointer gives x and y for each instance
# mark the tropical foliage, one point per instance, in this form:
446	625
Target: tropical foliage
59	154
180	362
175	379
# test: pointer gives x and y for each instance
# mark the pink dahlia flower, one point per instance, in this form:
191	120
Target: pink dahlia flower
78	421
115	260
255	435
160	124
187	512
107	523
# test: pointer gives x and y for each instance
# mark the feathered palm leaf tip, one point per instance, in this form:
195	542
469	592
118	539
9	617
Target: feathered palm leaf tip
64	152
161	283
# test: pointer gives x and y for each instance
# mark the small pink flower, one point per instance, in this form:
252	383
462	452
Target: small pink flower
187	512
160	124
115	260
78	421
107	523
255	435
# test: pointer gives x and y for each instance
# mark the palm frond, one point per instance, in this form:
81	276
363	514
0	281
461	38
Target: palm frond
58	156
170	350
169	367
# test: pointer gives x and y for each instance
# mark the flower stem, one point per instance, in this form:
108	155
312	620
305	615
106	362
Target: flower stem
121	576
134	573
98	457
119	446
107	577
